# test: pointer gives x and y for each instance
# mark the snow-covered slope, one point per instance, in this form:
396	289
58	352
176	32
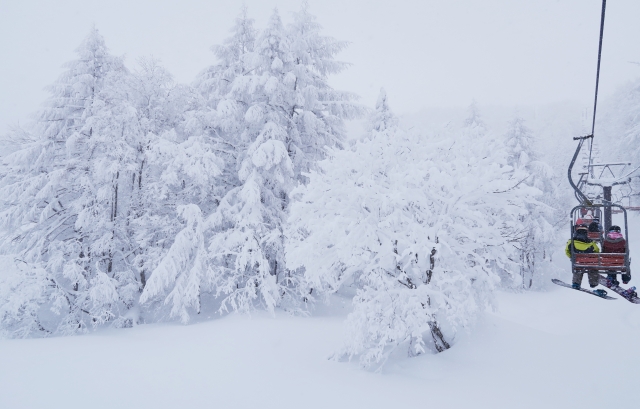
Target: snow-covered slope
552	349
540	350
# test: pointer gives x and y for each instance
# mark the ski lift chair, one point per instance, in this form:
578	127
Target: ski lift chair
608	263
586	215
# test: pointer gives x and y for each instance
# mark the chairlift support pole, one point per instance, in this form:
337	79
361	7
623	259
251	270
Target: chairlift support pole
606	191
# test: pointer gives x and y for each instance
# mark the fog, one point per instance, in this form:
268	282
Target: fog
425	53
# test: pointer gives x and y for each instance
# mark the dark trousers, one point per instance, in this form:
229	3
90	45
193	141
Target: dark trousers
593	277
625	277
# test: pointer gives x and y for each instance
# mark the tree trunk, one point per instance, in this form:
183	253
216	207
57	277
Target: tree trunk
438	339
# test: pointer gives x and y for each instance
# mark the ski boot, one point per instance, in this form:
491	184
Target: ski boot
626	278
600	293
575	286
611	281
630	292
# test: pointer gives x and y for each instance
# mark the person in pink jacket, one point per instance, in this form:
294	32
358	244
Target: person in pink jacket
614	242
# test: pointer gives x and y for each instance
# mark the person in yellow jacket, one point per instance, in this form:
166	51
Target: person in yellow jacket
582	244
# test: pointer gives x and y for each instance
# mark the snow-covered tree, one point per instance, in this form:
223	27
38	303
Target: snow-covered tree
536	234
382	119
316	110
235	58
277	115
90	203
49	196
619	126
176	164
413	223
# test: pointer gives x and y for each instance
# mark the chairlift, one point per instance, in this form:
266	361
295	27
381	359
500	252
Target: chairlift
608	263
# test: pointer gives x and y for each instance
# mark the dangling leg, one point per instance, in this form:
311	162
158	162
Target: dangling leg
577	279
593	279
626	278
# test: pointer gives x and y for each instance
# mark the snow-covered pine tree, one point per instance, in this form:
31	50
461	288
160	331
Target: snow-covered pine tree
241	262
278	116
535	236
382	118
150	215
316	110
631	134
235	59
413	223
165	167
176	164
225	89
109	182
47	195
513	218
619	124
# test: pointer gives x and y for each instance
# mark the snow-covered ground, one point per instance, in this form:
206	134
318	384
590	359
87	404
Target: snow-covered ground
540	350
552	349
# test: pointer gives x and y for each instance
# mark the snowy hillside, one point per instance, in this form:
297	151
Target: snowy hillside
538	350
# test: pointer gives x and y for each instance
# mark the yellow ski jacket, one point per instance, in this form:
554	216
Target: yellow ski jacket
581	247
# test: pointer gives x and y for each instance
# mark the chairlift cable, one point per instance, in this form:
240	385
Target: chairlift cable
581	196
595	102
595	99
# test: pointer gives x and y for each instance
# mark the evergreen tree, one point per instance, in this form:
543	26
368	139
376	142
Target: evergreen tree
50	198
235	58
278	116
383	118
92	202
535	235
619	125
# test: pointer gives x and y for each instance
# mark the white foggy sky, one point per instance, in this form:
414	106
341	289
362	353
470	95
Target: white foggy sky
425	53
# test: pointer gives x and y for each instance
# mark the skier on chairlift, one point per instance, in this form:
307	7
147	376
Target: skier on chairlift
614	242
583	244
586	217
595	227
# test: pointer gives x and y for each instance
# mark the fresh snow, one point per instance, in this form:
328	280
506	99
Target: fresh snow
555	348
540	350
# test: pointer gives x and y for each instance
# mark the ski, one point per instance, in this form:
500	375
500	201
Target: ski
563	284
619	290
